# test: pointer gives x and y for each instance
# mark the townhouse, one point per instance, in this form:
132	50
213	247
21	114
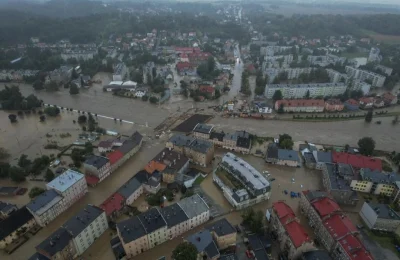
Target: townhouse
376	182
224	233
196	209
79	54
131	190
177	220
294	91
133	237
125	149
334	105
351	104
292	73
205	245
301	105
321	158
366	102
76	235
6	209
155	226
275	155
199	151
375	79
98	167
202	131
332	228
292	237
380	217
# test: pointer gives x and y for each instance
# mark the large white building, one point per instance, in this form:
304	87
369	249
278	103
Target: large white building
85	55
70	185
291	91
120	72
363	75
336	76
293	73
374	55
271	50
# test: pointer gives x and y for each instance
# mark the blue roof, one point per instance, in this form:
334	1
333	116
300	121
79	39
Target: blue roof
65	180
43	201
325	157
289	155
129	187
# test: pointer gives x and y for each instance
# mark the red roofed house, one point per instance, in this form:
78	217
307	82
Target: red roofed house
209	90
351	104
114	157
366	102
357	161
113	205
301	105
186	50
184	58
389	99
333	105
292	237
331	227
198	57
186	68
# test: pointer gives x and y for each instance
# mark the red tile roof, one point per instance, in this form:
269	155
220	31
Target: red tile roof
301	103
334	102
297	233
183	65
325	206
357	161
354	248
388	96
339	226
352	102
91	180
206	89
283	211
187	49
199	55
112	204
366	100
152	166
115	156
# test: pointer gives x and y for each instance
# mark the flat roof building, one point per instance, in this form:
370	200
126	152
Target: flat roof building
65	180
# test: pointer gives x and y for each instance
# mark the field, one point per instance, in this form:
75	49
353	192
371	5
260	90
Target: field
390	39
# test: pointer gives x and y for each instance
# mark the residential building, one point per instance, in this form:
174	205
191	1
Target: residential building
334	105
97	166
61	75
357	161
253	187
224	233
202	131
133	236
277	61
57	246
198	57
374	55
380	217
186	69
366	102
199	151
375	79
155	226
332	228
6	209
120	72
272	50
79	54
292	73
127	148
279	156
351	105
131	190
376	182
205	245
292	237
301	105
325	60
389	99
16	225
177	220
70	185
336	76
379	102
208	90
46	207
196	210
386	70
151	182
361	85
300	90
113	205
336	180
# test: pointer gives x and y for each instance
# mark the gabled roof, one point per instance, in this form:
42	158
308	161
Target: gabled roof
325	206
82	220
115	156
354	248
96	161
65	180
16	220
357	161
127	146
339	226
56	242
316	255
301	103
204	243
44	201
129	187
297	233
173	215
221	227
283	211
288	155
131	229
152	220
112	204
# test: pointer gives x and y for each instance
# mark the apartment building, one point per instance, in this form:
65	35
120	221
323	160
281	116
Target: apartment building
292	73
325	60
386	70
133	236
202	131
58	246
199	151
279	156
70	185
271	50
357	161
120	72
332	228
361	85
380	217
6	209
79	54
336	76
293	91
196	209
46	207
374	55
131	190
155	226
301	105
177	220
292	237
278	61
336	179
375	182
375	79
224	233
205	245
98	167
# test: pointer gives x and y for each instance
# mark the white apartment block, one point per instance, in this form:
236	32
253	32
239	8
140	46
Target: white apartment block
362	75
388	71
196	209
292	91
277	61
271	50
336	76
293	73
120	72
79	54
71	185
325	60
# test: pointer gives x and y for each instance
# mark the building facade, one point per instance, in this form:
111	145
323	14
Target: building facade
98	166
375	79
380	217
301	105
293	91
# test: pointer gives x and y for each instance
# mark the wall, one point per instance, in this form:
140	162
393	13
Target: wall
28	225
225	241
134	196
362	186
157	237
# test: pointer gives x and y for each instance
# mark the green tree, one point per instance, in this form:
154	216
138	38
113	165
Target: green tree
217	94
52	111
4	154
366	146
153	100
37	85
88	148
154	72
286	144
51	86
185	251
82	119
49	176
368	116
73	90
281	109
16	174
23	161
145	98
277	95
307	95
13	118
4	170
35	191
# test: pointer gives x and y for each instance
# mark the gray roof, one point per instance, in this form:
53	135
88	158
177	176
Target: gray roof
272	151
254	242
203	128
201	146
288	155
152	220
16	220
136	137
37	256
193	206
97	161
221	227
379	177
229	257
245	170
129	187
174	160
44	201
131	229
181	140
337	182
325	157
204	242
243	139
311	195
56	242
82	220
6	207
309	158
384	211
316	255
173	215
127	146
260	254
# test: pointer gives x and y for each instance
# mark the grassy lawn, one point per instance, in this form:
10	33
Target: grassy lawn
390	39
198	180
385	240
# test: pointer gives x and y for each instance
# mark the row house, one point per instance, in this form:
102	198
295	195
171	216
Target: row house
376	182
301	105
17	75
186	69
292	237
334	105
294	91
97	166
377	80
